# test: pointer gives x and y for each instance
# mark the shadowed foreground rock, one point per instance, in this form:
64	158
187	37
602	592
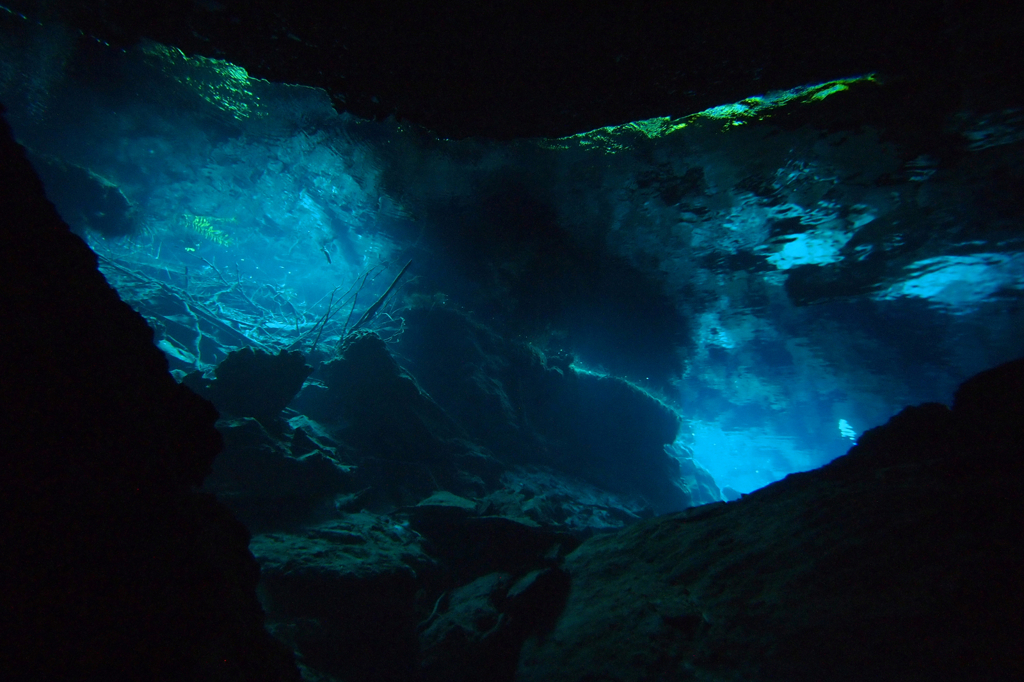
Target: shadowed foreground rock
113	567
901	560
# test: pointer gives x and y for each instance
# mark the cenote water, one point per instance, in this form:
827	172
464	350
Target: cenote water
783	287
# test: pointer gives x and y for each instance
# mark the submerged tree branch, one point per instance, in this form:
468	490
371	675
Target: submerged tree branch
372	310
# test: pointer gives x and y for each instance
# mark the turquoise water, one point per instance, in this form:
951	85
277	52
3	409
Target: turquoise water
785	288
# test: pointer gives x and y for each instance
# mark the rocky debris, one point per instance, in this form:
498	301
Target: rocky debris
900	560
382	520
466	634
546	498
379	436
347	594
253	383
114	568
430	592
484	623
471	545
280	480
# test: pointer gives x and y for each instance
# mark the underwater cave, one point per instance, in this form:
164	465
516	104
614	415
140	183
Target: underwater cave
512	343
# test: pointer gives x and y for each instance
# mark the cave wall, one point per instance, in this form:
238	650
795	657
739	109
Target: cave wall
114	567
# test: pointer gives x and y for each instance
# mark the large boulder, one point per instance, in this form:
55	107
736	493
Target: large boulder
253	383
405	444
344	594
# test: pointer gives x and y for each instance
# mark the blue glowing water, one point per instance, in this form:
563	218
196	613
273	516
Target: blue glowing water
819	293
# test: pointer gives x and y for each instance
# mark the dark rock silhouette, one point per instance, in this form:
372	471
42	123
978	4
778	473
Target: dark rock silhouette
253	383
486	70
114	568
900	560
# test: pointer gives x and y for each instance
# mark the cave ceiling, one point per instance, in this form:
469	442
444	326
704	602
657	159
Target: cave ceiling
532	69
